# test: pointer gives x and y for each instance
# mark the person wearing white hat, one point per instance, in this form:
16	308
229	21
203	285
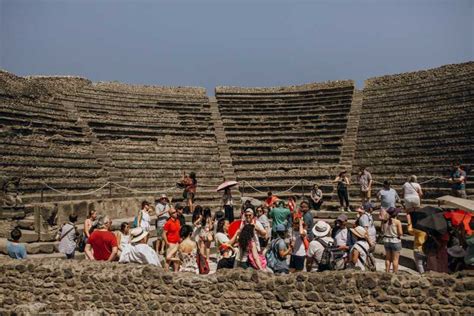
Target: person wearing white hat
139	251
360	250
316	248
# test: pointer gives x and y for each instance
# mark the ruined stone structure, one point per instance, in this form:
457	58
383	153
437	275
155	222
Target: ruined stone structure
56	286
418	123
278	136
127	143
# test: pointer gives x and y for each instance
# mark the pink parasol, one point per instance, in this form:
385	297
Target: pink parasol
226	184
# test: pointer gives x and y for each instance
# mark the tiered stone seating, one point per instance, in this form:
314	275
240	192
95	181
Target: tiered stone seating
152	135
39	141
418	123
278	136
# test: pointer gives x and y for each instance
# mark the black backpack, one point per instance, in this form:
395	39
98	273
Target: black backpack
330	257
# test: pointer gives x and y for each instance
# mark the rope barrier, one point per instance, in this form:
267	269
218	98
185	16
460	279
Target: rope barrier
174	188
73	194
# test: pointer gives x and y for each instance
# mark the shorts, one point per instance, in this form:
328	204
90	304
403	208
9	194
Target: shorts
297	262
263	242
159	233
190	196
172	248
412	202
390	246
365	195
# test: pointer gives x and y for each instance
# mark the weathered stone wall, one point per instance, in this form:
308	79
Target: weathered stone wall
37	86
285	89
50	286
151	90
409	78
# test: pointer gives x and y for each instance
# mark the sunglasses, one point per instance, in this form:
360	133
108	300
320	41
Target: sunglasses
248	215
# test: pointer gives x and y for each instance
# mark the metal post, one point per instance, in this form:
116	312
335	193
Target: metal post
302	187
110	190
42	193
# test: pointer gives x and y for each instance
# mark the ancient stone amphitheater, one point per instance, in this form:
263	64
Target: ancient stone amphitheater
78	145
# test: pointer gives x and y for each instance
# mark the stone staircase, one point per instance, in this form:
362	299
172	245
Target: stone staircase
103	157
350	138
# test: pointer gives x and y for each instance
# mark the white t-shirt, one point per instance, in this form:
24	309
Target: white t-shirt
298	250
409	190
362	254
145	223
139	253
221	238
316	250
366	220
341	237
161	220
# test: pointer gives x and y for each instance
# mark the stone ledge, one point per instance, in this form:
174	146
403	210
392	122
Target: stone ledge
426	75
285	89
54	285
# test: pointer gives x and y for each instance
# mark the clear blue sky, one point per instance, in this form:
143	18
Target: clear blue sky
223	42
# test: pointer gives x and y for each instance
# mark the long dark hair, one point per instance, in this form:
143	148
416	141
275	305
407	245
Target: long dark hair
185	231
246	235
192	175
196	213
220	225
205	215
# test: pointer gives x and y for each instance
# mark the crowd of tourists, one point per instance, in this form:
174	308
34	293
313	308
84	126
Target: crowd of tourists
275	235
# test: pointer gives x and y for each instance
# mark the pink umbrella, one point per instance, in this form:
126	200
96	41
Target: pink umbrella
226	184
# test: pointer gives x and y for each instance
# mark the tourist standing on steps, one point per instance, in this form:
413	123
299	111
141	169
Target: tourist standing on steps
366	220
388	197
458	180
162	209
250	254
190	185
316	198
204	231
14	249
279	215
340	233
271	199
418	241
280	250
263	219
298	254
307	218
365	181
171	236
358	253
139	251
187	251
67	237
228	204
412	194
102	244
180	210
392	233
321	232
342	190
123	237
144	218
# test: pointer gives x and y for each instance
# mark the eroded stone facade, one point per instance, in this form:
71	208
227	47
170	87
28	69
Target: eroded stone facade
60	286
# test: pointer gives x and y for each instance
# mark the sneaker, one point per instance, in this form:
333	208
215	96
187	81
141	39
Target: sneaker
341	209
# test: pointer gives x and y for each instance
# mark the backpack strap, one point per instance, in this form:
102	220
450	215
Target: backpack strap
365	251
62	236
